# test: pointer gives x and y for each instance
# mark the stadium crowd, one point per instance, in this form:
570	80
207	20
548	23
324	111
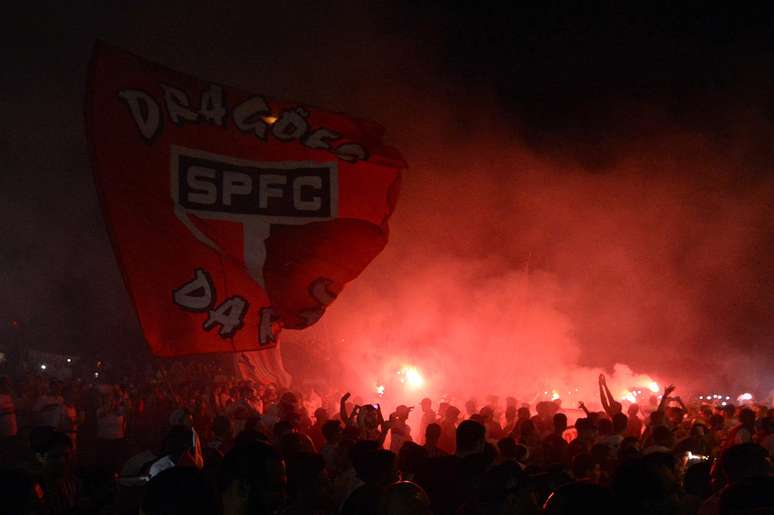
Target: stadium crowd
195	441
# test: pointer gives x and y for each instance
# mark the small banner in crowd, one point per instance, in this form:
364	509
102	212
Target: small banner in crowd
232	215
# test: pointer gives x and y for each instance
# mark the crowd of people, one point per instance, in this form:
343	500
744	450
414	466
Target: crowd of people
197	441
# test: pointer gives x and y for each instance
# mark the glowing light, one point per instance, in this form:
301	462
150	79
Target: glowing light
745	397
629	396
413	378
653	387
701	397
270	119
43	366
69	360
380	389
96	374
723	403
554	395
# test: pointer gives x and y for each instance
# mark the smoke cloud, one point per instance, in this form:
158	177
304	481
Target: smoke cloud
560	217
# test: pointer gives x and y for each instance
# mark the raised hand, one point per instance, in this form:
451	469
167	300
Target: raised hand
345	397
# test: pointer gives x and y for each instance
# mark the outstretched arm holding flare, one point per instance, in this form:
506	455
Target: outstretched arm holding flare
582	406
610	405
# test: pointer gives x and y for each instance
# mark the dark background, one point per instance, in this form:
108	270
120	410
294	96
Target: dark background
582	87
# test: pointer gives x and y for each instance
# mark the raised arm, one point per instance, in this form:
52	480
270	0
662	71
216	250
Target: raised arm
385	429
608	402
582	406
664	398
343	408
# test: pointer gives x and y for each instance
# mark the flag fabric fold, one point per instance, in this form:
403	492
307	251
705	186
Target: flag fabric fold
231	214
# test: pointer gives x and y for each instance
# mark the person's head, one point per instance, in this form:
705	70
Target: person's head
620	423
716	422
252	480
293	443
507	448
426	405
629	448
646	485
697	480
368	417
560	423
657	418
584	467
452	414
510	414
221	427
470	437
432	433
178	440
527	429
664	437
307	478
181	417
477	417
633	409
498	490
698	429
53	450
280	429
523	413
750	496
487	413
405	498
289	400
373	465
179	491
747	418
331	431
411	457
728	410
676	415
321	415
402	412
247	436
742	461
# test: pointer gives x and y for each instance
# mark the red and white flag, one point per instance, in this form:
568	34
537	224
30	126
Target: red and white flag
232	215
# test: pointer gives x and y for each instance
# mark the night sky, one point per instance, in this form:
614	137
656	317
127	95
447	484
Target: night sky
573	86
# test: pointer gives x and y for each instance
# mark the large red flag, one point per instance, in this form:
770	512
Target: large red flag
232	215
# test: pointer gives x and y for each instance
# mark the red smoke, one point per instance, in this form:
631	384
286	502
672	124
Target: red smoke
512	273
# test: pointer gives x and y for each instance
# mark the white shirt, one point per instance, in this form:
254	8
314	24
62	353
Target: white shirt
161	465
